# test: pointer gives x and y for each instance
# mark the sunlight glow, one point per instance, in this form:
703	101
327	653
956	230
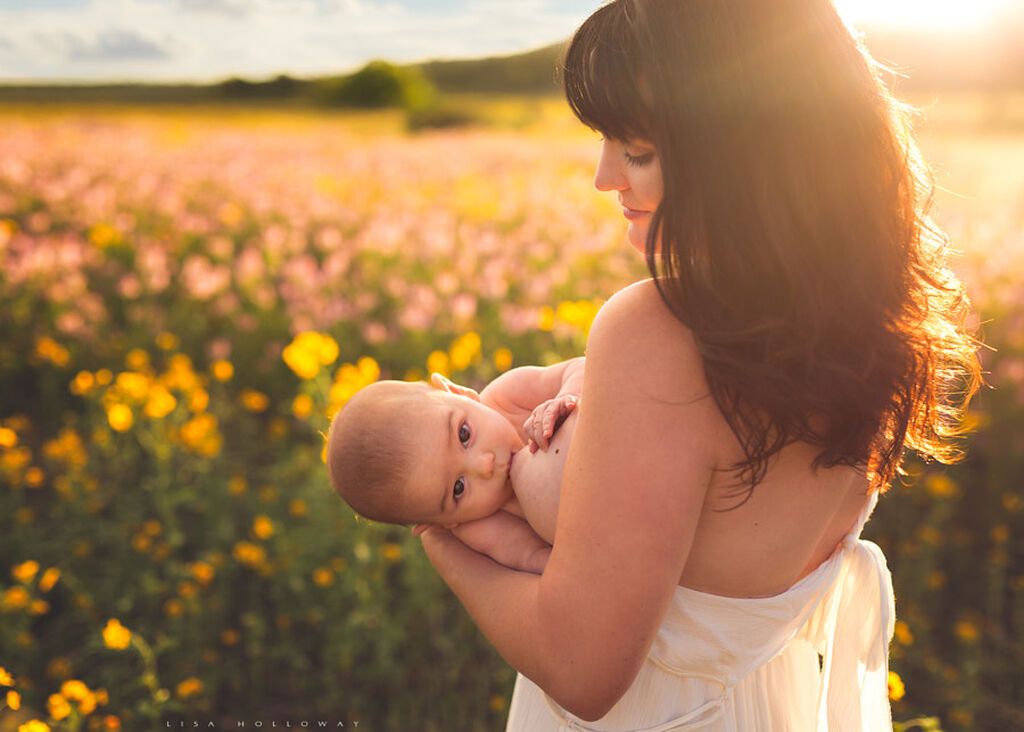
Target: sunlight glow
923	14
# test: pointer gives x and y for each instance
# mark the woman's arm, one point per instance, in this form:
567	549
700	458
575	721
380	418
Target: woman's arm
632	491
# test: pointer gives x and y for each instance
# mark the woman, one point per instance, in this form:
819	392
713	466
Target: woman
800	331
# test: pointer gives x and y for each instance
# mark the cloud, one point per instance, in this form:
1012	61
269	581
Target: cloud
231	8
113	44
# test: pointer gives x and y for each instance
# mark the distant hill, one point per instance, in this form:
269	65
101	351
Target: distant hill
990	61
530	73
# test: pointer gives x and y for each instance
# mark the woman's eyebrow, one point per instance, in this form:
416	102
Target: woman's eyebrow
446	421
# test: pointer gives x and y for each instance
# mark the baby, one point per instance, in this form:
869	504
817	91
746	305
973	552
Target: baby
481	464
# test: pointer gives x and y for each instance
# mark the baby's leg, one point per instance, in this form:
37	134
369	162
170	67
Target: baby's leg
508	540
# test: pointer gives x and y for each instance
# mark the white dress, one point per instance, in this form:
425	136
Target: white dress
728	664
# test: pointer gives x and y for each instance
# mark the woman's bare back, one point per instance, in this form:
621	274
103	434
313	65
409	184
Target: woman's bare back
790	525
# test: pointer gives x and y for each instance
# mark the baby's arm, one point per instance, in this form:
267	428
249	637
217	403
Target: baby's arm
516	393
506	539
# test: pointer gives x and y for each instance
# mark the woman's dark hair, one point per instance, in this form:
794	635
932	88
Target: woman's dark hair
795	238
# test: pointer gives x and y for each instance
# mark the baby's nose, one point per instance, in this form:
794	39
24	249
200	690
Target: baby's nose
485	464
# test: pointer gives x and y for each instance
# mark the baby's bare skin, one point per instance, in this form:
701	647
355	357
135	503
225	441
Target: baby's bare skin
537	480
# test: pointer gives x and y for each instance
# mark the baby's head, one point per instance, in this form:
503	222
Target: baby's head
412	452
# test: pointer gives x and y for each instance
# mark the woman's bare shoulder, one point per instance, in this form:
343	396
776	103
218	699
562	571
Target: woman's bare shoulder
658	349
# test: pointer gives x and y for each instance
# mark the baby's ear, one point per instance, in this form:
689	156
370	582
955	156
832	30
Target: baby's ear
452	388
440	382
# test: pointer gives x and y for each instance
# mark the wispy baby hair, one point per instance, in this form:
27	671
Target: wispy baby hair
369	458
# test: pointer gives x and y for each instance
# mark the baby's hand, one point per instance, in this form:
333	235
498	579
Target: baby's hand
547	418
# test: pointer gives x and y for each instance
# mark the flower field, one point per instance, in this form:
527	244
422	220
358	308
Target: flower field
186	297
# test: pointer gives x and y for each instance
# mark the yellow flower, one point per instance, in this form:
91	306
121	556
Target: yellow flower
87	705
297	507
112	723
13	700
222	370
248	553
115	635
237	485
200	434
438	361
187	589
308	352
497	702
34	725
82	383
49	350
136	359
369	369
190	687
323	577
8	437
173	608
464	351
896	688
58	668
15	598
503	359
391	552
903	634
104	377
58	707
167	341
254	401
263	527
199	400
135	386
74	689
34	476
203	572
160	403
229	637
940	486
546	318
120	417
39	607
966	631
302	406
104	235
25	571
5	677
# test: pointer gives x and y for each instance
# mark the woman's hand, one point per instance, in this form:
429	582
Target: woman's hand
546	419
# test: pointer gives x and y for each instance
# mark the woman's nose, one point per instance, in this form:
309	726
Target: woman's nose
608	176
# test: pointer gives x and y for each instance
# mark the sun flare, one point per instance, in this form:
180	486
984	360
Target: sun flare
923	14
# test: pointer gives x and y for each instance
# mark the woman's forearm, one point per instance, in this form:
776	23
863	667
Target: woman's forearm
504	605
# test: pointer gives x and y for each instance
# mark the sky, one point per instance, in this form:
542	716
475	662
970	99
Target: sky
209	40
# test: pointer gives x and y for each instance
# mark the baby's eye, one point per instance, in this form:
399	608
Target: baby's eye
460	487
464	433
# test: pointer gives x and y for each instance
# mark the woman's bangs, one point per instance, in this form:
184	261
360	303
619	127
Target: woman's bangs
600	77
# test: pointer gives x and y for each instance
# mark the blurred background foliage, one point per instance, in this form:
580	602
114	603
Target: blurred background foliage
189	292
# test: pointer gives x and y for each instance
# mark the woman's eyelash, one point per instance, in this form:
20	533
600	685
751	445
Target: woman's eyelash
638	160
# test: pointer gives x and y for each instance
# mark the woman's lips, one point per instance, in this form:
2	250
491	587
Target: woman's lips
632	213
